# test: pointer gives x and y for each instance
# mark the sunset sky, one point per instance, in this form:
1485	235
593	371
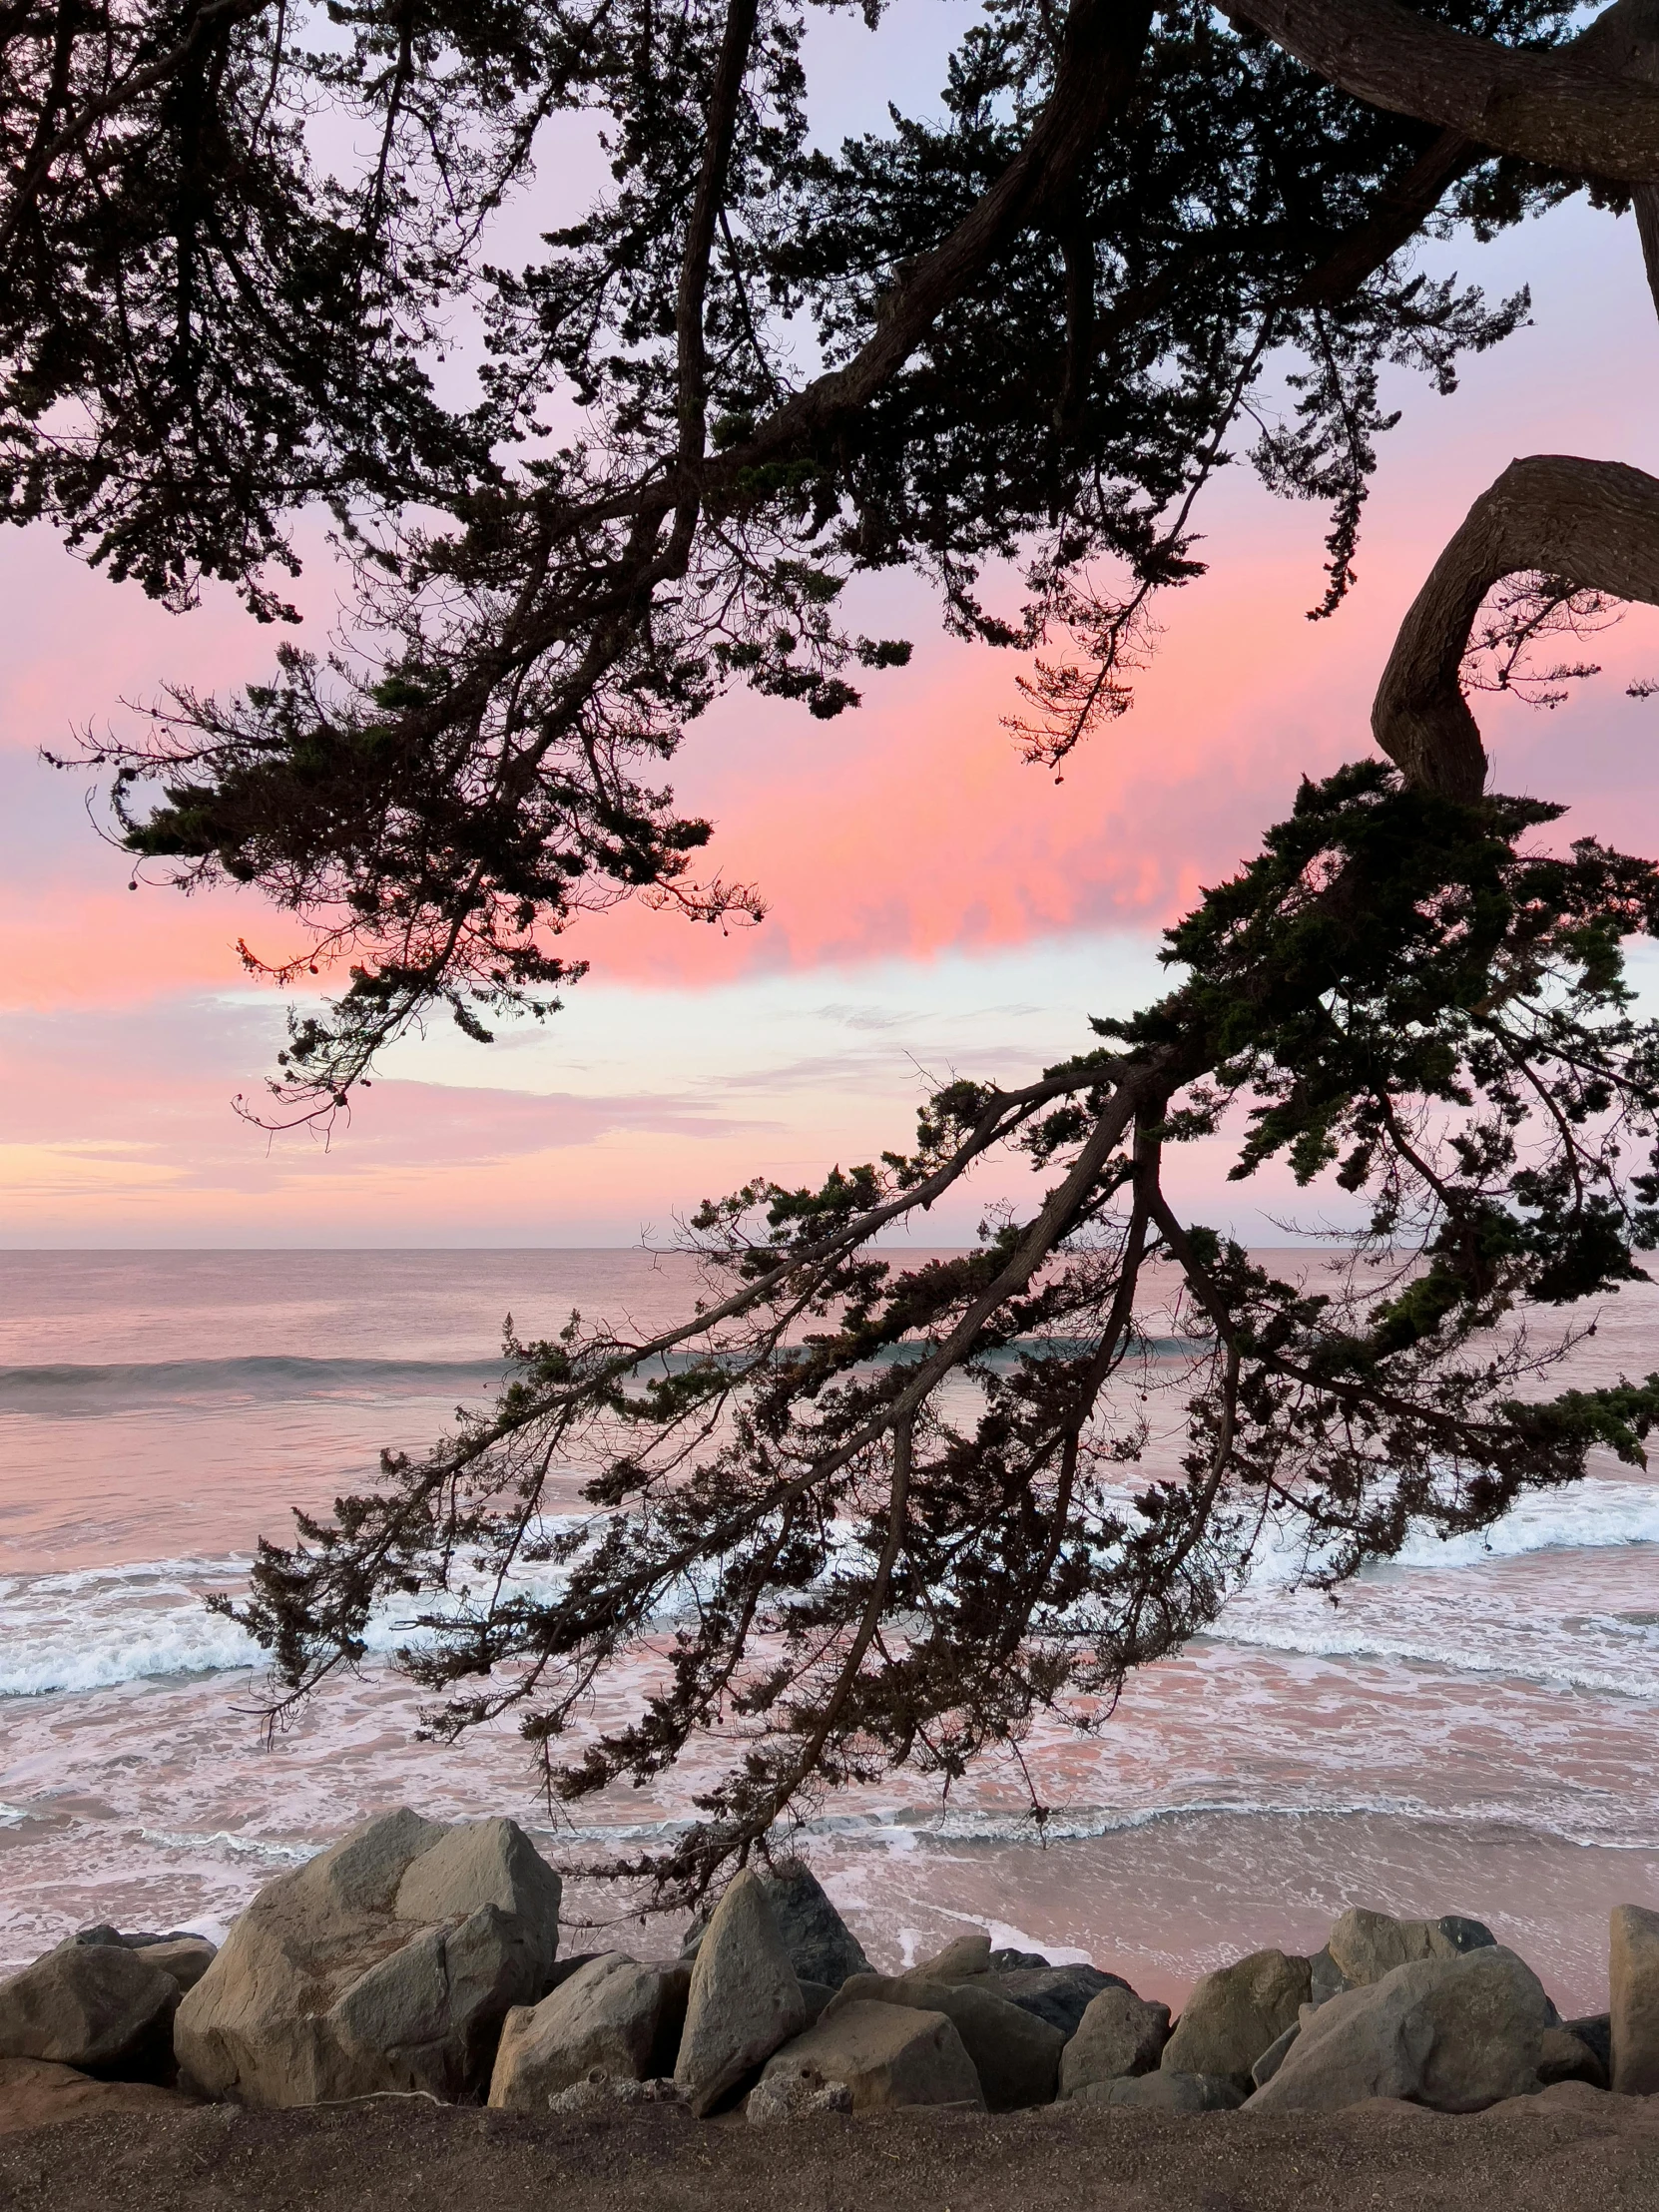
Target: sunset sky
935	907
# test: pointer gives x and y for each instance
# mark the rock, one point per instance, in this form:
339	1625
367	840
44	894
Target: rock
1326	1978
958	1961
34	2092
1058	1994
1565	2059
1633	1983
609	2016
1454	2033
99	2007
745	1999
1234	2013
1364	1947
1273	2057
1596	2030
485	1863
1166	2091
185	1956
1120	2034
598	2093
1017	1962
815	1995
794	2093
820	1945
331	1985
822	1948
887	2054
1016	2054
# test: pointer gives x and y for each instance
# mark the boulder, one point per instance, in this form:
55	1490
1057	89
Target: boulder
1364	1946
1324	1978
1596	2030
34	2092
1166	2093
1456	2034
1234	2013
1633	1987
794	2094
1016	2054
388	1962
822	1948
1058	1994
610	2015
99	2007
1565	2057
1120	2034
1008	1961
820	1945
744	2001
1276	2054
958	1961
185	1956
887	2054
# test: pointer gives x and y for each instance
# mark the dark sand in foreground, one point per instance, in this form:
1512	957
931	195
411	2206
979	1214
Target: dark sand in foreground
1569	2150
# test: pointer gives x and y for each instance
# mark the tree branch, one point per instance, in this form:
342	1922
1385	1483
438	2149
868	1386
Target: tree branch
1562	109
1595	524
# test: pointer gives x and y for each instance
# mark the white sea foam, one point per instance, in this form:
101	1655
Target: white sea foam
97	1628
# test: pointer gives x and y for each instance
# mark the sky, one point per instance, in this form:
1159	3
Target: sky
937	907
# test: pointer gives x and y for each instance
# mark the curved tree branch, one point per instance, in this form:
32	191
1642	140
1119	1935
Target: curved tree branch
1562	109
1593	523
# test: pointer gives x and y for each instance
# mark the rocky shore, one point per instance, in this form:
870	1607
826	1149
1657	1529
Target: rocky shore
416	1961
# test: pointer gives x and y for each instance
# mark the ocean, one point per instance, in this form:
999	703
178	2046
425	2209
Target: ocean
1471	1729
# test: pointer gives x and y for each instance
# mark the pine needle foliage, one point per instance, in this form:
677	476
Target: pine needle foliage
852	1516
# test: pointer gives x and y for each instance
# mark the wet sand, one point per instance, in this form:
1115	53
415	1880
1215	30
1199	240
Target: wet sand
1571	2150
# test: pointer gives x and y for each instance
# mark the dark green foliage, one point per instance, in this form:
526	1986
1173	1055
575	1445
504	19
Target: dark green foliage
870	1514
1046	315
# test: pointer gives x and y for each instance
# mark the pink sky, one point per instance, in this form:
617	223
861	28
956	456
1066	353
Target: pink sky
932	900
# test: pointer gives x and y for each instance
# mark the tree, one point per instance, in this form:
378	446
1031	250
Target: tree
1040	325
1038	322
833	1565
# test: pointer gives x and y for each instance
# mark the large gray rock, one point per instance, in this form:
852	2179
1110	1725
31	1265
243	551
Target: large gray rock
1366	1945
185	1956
1276	2054
822	1948
1166	2093
1120	2034
820	1945
611	2014
386	1962
745	1998
1326	1979
1566	2057
1234	2013
1633	1992
1016	2054
99	2007
1595	2030
1058	1994
887	2054
960	1961
1456	2034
